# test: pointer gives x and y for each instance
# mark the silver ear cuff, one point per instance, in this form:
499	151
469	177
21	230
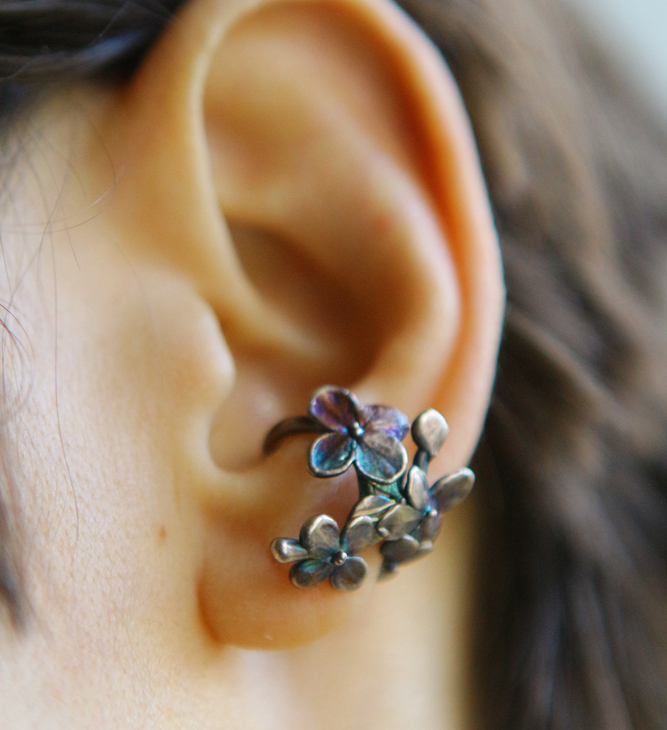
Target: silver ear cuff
396	509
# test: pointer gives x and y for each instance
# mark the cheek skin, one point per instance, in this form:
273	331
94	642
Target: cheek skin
137	369
127	366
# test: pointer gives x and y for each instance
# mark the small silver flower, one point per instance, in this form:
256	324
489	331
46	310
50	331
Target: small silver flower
430	504
322	551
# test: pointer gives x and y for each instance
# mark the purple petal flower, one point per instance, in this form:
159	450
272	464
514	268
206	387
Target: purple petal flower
381	418
369	437
381	457
336	408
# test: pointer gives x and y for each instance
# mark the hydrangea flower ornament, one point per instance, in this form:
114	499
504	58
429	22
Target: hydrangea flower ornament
396	507
370	437
323	552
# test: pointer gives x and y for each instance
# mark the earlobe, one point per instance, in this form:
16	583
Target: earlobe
308	168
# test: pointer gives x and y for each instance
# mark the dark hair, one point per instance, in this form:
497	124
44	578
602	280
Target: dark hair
572	579
45	44
44	41
573	461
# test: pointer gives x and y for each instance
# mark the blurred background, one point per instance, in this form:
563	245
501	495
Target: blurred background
638	29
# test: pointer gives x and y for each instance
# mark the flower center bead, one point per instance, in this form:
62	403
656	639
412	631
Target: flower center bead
357	430
339	558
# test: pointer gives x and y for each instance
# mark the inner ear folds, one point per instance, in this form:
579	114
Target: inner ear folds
323	170
294	48
318	159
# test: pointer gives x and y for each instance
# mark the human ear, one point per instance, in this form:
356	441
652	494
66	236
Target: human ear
308	169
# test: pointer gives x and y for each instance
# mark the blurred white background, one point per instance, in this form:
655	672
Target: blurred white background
638	29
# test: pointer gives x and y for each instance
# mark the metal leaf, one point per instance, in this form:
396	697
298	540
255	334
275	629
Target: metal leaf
416	488
429	431
452	489
287	550
331	454
336	408
430	526
350	575
382	418
308	573
381	457
372	506
320	536
398	551
398	521
358	534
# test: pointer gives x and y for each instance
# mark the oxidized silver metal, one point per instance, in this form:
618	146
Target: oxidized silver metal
397	508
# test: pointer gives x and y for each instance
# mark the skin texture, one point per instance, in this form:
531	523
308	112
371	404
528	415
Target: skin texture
285	195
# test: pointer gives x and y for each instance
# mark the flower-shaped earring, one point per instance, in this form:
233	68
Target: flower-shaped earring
370	437
396	507
323	552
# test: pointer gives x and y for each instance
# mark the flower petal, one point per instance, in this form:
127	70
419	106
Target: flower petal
452	489
398	521
372	506
398	551
331	454
308	573
336	408
416	488
424	549
320	536
350	575
388	570
358	534
381	457
389	420
430	526
287	550
429	431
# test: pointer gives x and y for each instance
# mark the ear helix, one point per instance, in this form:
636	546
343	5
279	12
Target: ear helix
396	508
408	248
